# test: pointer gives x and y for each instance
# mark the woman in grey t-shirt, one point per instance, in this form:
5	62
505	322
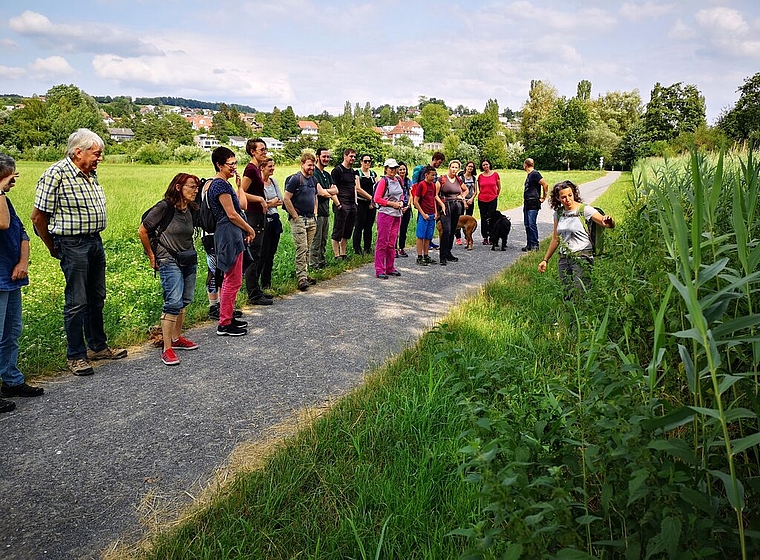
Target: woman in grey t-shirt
571	236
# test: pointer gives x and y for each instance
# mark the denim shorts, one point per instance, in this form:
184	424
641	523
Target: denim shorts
178	283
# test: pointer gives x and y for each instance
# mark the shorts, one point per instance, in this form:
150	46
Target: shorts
425	228
343	224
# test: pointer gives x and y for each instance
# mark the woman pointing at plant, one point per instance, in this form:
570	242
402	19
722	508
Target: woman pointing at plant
571	236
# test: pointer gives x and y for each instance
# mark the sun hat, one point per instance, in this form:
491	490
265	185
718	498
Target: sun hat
390	162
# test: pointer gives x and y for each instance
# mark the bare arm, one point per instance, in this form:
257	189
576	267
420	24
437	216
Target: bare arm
5	213
545	187
21	270
604	221
142	233
245	184
41	221
553	244
438	199
416	203
288	203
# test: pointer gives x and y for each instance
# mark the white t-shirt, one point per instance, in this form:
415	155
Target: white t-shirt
570	229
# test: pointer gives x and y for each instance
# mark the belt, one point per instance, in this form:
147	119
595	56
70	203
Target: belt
80	235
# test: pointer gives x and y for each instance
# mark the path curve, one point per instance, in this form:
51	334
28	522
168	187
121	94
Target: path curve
77	462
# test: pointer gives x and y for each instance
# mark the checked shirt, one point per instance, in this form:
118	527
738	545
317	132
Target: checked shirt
76	204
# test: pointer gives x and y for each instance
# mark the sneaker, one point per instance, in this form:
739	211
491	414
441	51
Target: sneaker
433	245
459	241
239	323
261	300
237	314
443	262
303	285
311	281
7	406
381	276
485	241
213	312
395	273
22	390
421	261
184	344
427	259
230	330
80	367
169	357
259	294
402	253
107	354
452	258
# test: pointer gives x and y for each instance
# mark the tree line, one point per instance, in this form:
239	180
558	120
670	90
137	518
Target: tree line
577	132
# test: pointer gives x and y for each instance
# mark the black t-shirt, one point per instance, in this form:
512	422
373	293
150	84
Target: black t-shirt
532	193
367	183
345	179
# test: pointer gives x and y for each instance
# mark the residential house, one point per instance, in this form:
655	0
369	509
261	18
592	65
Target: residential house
308	128
410	129
206	141
199	122
121	134
237	142
273	143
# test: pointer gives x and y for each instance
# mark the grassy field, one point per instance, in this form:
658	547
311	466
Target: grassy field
134	296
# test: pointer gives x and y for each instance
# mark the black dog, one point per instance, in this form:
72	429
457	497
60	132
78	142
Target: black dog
499	227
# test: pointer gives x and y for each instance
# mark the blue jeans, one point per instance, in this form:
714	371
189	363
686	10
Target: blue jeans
531	228
83	262
178	283
10	330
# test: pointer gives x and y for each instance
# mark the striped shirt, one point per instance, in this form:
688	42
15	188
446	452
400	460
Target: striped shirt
76	204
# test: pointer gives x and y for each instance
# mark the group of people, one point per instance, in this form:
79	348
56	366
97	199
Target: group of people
70	212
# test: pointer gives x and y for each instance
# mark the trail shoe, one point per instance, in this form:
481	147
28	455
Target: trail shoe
485	241
7	406
22	390
421	261
238	323
452	258
433	245
213	312
402	253
443	262
79	367
261	300
395	273
183	344
169	357
311	281
381	276
459	240
428	260
107	354
303	285
230	330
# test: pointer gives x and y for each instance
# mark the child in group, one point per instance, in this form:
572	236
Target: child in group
423	198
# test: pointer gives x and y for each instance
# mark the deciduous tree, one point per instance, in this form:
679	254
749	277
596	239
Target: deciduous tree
672	110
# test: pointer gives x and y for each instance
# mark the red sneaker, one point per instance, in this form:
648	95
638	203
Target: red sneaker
184	344
169	357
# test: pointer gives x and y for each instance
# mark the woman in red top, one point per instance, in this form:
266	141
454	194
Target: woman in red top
489	187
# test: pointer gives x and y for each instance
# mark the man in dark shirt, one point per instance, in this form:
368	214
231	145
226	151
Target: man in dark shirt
534	195
256	214
347	181
300	200
326	191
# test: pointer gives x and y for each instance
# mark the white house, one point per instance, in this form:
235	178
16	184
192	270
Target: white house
206	141
238	141
121	134
273	143
407	128
308	128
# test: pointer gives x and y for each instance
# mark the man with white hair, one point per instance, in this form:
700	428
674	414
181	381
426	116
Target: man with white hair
69	214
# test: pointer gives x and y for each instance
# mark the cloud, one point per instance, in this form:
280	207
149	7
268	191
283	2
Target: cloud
52	66
8	44
728	31
648	10
11	72
84	37
682	32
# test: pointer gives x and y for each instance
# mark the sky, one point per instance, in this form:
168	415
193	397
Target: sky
316	55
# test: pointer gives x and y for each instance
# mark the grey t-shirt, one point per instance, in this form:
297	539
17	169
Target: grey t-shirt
178	235
570	229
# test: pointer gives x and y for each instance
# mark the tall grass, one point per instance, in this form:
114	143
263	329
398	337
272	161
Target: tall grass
133	301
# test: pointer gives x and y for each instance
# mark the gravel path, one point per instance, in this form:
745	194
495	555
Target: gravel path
77	462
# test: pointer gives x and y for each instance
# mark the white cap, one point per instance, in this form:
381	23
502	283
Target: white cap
390	162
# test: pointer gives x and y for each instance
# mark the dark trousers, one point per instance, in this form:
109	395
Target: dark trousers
83	262
485	209
365	220
269	250
405	218
454	209
252	266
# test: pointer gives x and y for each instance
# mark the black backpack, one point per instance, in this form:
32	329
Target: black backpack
206	218
154	236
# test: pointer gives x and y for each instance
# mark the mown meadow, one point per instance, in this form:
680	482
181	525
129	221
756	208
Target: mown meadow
133	301
621	426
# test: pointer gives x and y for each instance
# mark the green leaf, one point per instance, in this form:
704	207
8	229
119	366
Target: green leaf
709	272
637	487
513	552
739	445
734	489
670	421
676	447
712	412
587	519
737	324
670	533
727	382
572	554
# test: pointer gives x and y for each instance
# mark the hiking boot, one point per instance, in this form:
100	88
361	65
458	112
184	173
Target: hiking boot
443	262
421	261
261	300
7	406
452	258
230	330
79	367
311	281
107	354
213	312
22	390
183	344
169	357
303	285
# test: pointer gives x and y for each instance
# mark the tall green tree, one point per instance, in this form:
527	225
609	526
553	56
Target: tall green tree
365	141
584	90
273	125
672	110
742	122
69	108
619	110
289	122
434	119
542	98
482	127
